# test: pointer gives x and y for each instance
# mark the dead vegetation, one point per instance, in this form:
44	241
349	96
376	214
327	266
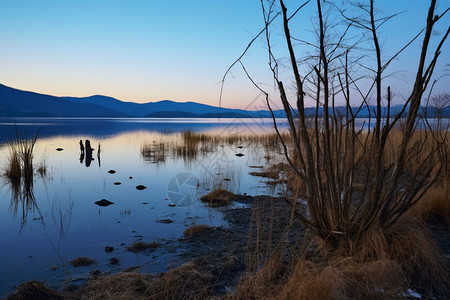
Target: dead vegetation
185	282
140	246
359	182
386	265
35	290
196	230
82	262
218	197
273	172
435	203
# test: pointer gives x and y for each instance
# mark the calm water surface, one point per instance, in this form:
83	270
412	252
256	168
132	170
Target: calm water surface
40	237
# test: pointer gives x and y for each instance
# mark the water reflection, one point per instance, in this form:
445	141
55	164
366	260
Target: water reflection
87	152
78	227
61	212
22	197
154	153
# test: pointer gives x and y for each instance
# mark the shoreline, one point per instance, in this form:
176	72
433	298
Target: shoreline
214	260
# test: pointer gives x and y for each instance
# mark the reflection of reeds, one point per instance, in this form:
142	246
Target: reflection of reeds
192	145
19	174
155	153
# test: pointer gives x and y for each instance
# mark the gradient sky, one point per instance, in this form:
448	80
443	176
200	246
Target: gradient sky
142	50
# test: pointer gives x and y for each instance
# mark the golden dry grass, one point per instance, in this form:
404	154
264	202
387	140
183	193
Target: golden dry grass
13	168
435	204
384	265
185	282
218	197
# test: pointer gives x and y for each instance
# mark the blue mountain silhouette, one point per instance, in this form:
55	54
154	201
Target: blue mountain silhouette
18	103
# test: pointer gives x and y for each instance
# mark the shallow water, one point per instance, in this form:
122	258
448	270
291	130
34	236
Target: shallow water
58	219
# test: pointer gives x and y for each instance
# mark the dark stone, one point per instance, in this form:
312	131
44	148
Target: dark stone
104	202
239	154
117	183
131	177
165	221
111	171
59	149
109	249
95	273
113	261
141	187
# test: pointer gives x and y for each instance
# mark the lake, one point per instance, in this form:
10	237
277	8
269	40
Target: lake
56	220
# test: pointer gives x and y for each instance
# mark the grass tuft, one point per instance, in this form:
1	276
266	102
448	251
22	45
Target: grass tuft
218	198
184	282
435	204
196	230
82	262
34	290
140	246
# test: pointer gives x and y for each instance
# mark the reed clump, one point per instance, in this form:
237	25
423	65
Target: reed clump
384	265
434	205
35	290
196	230
82	262
218	197
13	168
20	163
140	246
184	282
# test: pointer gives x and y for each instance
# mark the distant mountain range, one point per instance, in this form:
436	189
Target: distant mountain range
18	103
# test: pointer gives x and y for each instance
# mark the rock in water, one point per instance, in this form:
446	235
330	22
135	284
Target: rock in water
239	154
59	149
111	171
104	202
141	187
165	221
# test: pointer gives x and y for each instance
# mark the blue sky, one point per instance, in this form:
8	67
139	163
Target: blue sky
152	50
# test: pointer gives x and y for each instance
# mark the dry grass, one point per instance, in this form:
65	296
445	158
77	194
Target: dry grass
273	172
384	265
140	246
435	204
185	282
218	197
196	230
13	168
82	262
35	290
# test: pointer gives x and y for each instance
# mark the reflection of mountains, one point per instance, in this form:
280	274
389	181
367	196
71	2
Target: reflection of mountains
103	127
